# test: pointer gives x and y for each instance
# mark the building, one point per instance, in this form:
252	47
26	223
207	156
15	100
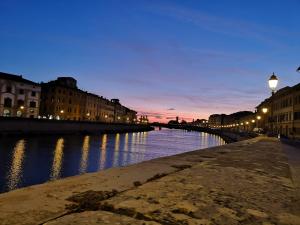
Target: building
19	97
199	123
280	114
216	120
239	121
62	99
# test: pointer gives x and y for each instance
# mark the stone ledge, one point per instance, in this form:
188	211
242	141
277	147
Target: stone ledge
247	182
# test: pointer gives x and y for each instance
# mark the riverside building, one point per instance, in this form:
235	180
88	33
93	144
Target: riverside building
19	97
280	113
62	99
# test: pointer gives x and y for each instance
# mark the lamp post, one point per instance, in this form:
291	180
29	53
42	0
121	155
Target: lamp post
62	112
258	119
273	81
22	110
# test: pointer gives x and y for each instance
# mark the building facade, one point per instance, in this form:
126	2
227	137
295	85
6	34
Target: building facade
19	97
282	112
239	121
62	99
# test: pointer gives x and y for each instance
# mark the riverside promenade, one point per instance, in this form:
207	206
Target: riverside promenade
247	182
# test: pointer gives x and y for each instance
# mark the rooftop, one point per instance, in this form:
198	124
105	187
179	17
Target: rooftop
16	78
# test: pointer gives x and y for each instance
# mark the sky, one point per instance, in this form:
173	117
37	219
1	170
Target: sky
162	58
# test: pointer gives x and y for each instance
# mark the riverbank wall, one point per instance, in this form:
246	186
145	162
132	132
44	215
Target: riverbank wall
243	183
27	126
226	135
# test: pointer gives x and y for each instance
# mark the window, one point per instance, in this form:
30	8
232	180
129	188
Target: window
7	102
20	103
33	93
8	89
296	115
21	91
32	104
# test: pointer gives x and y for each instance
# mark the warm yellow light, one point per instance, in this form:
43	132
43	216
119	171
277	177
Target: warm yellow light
127	118
105	116
21	107
258	117
253	121
247	122
264	110
61	111
242	123
119	118
88	114
273	81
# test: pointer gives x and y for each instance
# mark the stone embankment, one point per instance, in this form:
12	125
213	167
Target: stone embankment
27	126
247	182
228	136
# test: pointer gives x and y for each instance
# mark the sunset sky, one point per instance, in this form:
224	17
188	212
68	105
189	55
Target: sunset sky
162	58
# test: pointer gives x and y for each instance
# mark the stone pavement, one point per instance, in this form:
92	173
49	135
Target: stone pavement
247	182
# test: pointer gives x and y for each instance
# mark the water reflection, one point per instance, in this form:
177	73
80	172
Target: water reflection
103	152
15	172
57	160
84	155
77	154
116	150
126	146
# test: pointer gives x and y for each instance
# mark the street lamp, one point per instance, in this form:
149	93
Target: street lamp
22	107
273	81
61	112
258	119
264	110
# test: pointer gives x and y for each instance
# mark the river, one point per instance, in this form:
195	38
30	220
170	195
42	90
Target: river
38	159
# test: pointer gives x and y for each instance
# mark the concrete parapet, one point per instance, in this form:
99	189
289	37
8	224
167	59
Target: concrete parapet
42	126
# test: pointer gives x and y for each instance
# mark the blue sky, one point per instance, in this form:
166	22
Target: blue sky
163	58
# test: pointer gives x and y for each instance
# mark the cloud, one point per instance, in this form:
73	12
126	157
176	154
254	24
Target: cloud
171	109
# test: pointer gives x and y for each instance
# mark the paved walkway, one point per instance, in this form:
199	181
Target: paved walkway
248	182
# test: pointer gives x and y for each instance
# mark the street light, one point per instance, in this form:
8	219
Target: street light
61	111
264	110
258	117
273	81
22	107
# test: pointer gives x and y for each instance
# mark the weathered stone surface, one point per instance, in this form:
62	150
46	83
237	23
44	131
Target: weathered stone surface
247	182
97	217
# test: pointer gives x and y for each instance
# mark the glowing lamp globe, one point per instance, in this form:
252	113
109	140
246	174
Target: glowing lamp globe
273	81
264	110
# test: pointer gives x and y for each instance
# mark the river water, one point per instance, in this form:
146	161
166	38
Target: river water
34	160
